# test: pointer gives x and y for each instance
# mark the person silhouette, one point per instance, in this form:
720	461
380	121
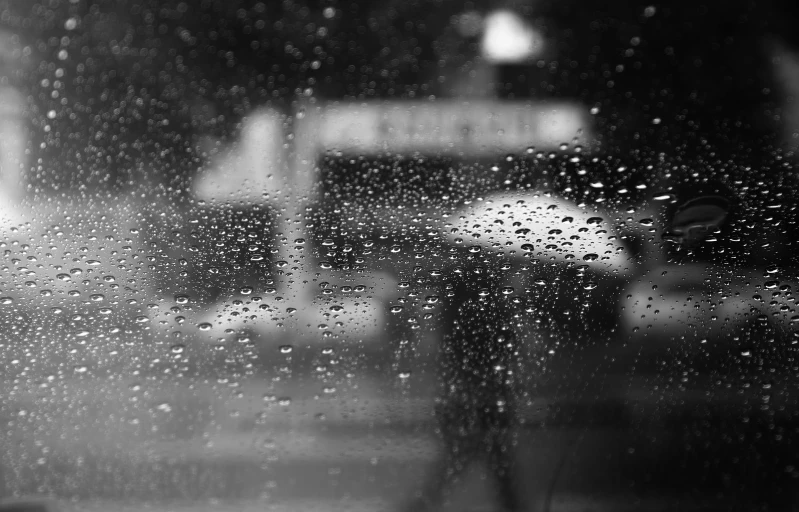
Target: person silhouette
476	413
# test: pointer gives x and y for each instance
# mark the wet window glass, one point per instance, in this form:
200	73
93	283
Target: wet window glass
403	255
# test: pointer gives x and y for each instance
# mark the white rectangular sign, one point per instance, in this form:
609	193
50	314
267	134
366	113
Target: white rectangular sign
456	127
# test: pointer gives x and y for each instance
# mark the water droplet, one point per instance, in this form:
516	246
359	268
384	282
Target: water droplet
396	309
164	407
6	300
205	326
181	299
286	349
590	285
507	290
64	277
404	375
591	257
92	263
696	219
97	297
178	348
76	271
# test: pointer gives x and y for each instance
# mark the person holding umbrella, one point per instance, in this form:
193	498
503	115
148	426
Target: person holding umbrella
479	358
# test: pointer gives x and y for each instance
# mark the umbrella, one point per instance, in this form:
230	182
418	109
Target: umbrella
541	226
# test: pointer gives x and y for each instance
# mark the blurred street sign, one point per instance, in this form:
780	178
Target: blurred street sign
463	128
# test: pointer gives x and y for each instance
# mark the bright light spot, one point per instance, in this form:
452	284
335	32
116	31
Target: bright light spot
507	38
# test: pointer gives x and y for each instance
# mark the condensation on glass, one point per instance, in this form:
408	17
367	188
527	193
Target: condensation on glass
401	255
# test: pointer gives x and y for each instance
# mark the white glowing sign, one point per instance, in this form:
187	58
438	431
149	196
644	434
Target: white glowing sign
454	127
507	38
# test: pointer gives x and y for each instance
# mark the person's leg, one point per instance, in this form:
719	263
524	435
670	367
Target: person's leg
462	441
502	457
